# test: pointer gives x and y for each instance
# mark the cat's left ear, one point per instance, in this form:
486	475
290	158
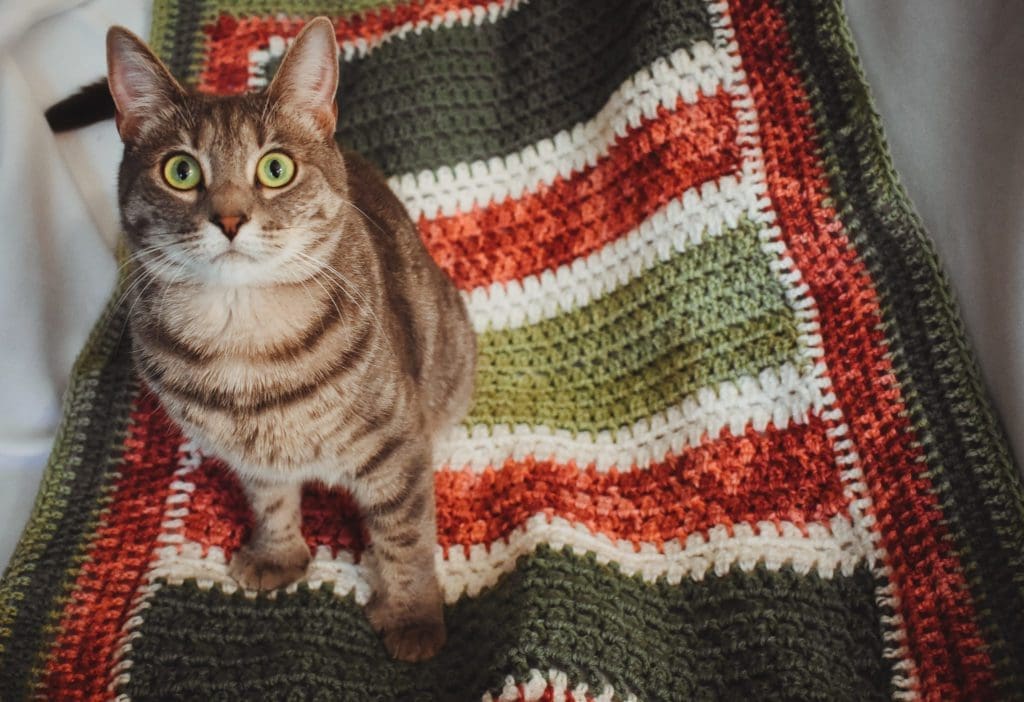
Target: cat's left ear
307	81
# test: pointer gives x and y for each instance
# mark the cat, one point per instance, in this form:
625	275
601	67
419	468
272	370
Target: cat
288	317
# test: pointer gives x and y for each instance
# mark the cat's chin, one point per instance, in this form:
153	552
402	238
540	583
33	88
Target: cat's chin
235	269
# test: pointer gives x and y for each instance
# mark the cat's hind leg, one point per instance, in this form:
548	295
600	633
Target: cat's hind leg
395	489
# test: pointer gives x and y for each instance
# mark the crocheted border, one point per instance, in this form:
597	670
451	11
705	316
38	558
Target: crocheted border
965	447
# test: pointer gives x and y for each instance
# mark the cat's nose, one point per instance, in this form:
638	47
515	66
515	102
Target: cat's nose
229	224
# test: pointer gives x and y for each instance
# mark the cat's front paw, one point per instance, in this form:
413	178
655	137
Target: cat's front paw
256	568
408	636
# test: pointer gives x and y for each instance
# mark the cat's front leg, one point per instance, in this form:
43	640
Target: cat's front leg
276	553
395	488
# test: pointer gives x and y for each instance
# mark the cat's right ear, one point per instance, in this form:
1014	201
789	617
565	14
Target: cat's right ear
140	84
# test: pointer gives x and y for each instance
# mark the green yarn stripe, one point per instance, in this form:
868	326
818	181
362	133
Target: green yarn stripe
967	453
712	313
466	93
80	469
755	635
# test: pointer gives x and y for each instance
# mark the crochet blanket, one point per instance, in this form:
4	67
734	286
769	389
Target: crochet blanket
728	442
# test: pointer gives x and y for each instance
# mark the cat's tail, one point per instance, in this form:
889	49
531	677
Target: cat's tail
93	103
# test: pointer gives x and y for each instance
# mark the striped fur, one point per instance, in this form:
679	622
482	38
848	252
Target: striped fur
318	343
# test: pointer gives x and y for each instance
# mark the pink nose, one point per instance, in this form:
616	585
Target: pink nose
229	224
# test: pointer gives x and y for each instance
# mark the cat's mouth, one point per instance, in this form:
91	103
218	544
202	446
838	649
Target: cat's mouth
232	255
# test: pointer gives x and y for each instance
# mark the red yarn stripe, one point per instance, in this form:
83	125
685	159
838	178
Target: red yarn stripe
572	217
79	665
231	39
777	475
943	636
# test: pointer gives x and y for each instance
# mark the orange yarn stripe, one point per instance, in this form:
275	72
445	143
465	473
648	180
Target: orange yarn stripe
652	165
118	557
777	475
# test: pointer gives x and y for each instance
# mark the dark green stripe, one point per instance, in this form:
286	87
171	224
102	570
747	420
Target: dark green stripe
744	636
466	93
967	454
178	29
81	467
709	314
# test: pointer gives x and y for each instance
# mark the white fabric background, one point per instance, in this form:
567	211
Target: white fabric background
945	73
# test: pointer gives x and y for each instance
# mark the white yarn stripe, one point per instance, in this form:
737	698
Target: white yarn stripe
861	507
777	395
687	221
685	74
176	509
827	549
357	48
535	686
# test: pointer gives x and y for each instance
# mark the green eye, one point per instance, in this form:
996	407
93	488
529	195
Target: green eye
275	170
182	172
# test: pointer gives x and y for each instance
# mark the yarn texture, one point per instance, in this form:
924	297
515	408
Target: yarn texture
728	440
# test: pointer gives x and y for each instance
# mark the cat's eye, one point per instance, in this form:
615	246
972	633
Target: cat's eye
275	170
182	172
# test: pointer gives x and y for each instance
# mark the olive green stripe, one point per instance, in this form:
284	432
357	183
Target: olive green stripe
709	314
758	635
967	454
81	467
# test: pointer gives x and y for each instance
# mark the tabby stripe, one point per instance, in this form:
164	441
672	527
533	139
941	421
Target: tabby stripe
379	457
116	561
929	585
683	77
706	315
574	217
231	37
787	474
714	209
409	477
817	635
776	396
227	401
158	337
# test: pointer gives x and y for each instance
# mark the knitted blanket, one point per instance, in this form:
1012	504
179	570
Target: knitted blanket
728	441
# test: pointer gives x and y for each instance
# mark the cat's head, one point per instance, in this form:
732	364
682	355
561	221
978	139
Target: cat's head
245	190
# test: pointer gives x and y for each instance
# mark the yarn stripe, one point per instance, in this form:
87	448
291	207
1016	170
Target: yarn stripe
78	473
714	209
775	396
932	595
234	31
656	640
473	75
969	463
89	632
826	549
683	77
229	30
711	314
574	217
726	481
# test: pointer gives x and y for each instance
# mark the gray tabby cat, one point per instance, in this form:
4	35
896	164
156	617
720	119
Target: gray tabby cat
289	318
